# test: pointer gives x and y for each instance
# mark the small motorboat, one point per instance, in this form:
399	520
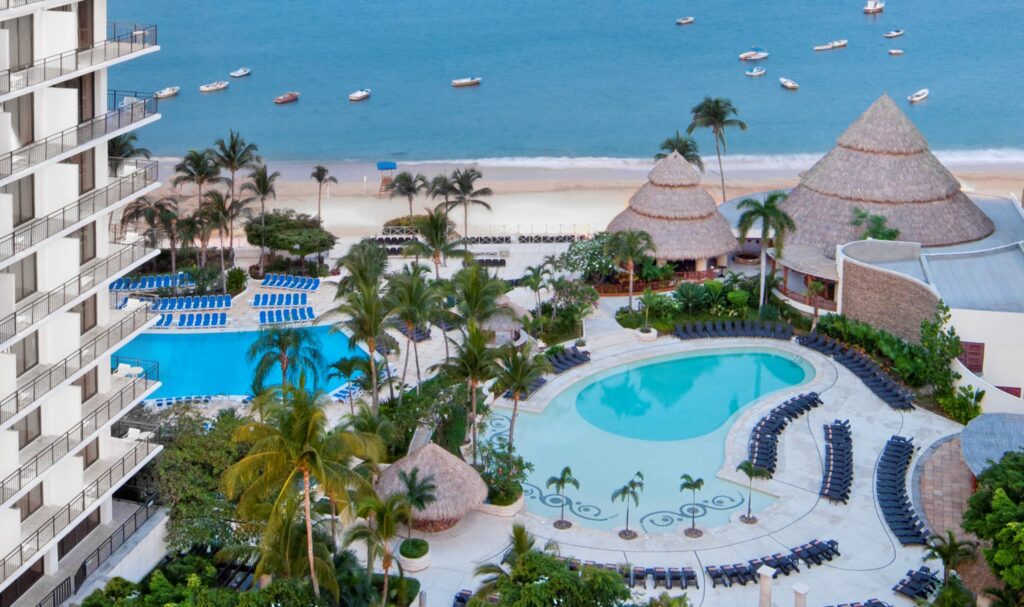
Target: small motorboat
894	33
757	71
170	91
874	7
685	21
921	95
831	45
464	82
360	95
287	97
754	54
241	72
788	84
214	86
895	52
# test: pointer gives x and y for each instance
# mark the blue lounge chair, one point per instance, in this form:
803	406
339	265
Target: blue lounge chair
302	299
288	315
181	321
189	319
315	285
263	317
278	316
309	313
223	319
204	320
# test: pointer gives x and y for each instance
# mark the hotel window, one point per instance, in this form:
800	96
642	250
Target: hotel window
31	501
22	202
87	314
91	453
973	356
29	428
24	277
89	383
79	533
26	354
21	585
87	239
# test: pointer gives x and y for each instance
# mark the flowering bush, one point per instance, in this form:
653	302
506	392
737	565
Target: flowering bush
503	471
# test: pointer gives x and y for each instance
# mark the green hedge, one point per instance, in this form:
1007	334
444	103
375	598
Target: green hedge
414	548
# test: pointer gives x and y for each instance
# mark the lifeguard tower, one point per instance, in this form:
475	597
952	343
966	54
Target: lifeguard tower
387	174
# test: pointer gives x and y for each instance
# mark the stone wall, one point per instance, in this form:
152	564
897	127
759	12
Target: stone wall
886	300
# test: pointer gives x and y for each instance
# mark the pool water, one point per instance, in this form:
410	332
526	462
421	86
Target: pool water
665	417
216	363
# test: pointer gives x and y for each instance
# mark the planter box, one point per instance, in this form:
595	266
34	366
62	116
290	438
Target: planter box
503	511
649	336
414	565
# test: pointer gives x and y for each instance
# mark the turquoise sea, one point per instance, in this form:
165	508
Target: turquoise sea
604	78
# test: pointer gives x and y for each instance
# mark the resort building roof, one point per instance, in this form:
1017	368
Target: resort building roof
988	437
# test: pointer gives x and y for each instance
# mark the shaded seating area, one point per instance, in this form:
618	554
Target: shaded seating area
920	584
861	365
536	385
193	320
418	334
279	300
812	553
286	315
192	302
568	359
728	328
762	449
152	283
891	491
288	281
838	465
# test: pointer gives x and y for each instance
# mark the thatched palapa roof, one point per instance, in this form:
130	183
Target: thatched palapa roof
882	165
459	487
508	317
680	216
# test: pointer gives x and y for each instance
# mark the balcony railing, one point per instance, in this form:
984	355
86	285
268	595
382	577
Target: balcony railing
122	39
818	301
128	177
70	511
62	445
6	4
130	108
35	309
54	375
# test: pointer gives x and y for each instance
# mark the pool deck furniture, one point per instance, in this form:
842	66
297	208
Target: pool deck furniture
280	300
192	302
837	478
279	316
891	490
873	376
762	449
153	283
918	585
193	320
568	359
287	281
815	552
418	334
728	328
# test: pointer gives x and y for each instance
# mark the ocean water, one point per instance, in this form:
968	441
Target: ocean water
605	78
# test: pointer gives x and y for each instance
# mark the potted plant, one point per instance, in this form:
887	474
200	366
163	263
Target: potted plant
414	552
504	472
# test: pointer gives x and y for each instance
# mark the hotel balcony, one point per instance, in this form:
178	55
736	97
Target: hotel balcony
129	179
124	41
12	9
40	456
132	110
35	309
100	341
47	525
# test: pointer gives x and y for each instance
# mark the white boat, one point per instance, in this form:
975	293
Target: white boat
360	95
685	21
788	84
754	54
757	71
214	86
241	72
170	91
831	45
895	51
894	33
921	95
874	6
463	82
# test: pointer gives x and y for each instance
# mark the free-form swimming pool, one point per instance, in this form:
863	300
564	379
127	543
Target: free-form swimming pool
665	417
216	363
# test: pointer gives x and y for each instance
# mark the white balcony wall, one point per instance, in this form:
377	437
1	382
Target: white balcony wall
56	109
9	460
56	187
57	262
55	32
6	303
8	138
61	410
10	529
6	213
1003	336
59	337
103	305
101	98
102	238
99	25
65	481
103	375
5	49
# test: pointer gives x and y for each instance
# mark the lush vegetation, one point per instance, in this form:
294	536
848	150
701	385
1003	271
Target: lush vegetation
995	514
504	472
289	232
733	298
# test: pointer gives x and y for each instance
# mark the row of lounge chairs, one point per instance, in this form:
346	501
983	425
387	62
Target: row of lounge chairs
279	300
814	552
152	283
536	385
193	320
867	603
918	585
660	576
286	315
395	251
347	392
192	302
418	334
287	281
489	240
764	438
568	359
170	401
891	488
548	238
729	328
838	476
393	240
873	376
492	263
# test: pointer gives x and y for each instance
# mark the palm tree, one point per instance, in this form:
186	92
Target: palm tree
296	445
198	168
685	147
814	289
476	294
473	363
465	194
408	186
123	146
147	211
625	248
950	551
714	114
534	279
321	177
364	310
1004	597
232	156
752	471
775	223
262	185
560	482
442	186
516	370
630	492
664	600
167	220
217	209
346	368
295	351
521	542
434	231
692	484
365	264
412	301
419	493
201	228
379	529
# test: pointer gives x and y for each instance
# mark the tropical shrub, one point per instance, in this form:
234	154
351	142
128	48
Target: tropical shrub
413	548
691	297
539	579
650	270
739	300
589	259
290	232
236	280
503	471
996	513
962	405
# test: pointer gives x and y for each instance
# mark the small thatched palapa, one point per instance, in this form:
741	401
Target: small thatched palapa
680	216
882	165
509	316
460	490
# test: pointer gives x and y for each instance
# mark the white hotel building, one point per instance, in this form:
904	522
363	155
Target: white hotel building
60	198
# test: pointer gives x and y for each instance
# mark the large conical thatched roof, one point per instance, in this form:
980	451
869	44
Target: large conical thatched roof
459	487
680	216
882	165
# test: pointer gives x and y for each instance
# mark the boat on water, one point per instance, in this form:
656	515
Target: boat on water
287	97
214	86
241	72
464	82
788	84
831	45
754	54
170	91
920	95
874	7
685	21
894	33
757	71
360	95
895	51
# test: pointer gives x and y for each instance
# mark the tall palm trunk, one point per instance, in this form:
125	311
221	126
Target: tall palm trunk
416	356
627	513
263	230
410	206
750	496
693	511
408	342
465	224
629	266
374	401
472	406
223	267
385	563
764	264
437	265
515	414
231	224
309	533
721	172
319	196
284	370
